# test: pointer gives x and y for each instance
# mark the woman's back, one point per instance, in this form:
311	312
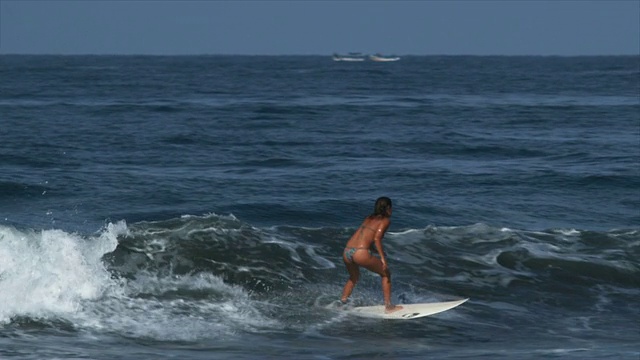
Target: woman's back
365	235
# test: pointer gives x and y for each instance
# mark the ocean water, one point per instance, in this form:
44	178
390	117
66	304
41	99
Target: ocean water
196	207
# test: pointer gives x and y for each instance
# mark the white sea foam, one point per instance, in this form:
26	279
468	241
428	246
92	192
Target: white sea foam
52	274
154	306
51	271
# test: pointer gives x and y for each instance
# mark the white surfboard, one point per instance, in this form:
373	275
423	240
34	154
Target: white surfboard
408	311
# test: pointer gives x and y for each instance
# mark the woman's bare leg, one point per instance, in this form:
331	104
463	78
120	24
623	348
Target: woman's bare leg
374	264
386	291
354	275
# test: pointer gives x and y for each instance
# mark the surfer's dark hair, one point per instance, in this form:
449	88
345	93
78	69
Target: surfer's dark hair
383	204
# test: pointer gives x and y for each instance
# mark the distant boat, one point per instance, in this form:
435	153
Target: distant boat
380	58
349	57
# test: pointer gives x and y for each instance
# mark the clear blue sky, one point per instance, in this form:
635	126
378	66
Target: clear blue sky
509	27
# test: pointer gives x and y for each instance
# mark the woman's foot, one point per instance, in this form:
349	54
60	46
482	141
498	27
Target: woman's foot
340	304
391	308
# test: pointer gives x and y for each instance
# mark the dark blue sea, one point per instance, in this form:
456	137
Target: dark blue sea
196	207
